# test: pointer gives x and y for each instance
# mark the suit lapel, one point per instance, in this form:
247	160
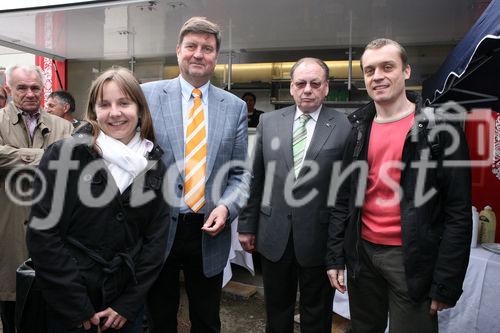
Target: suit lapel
171	109
324	127
216	121
285	129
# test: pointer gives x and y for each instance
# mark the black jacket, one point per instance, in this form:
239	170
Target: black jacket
132	239
436	234
253	120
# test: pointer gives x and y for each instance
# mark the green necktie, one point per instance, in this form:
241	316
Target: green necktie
299	142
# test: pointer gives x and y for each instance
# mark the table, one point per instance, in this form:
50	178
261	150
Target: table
477	310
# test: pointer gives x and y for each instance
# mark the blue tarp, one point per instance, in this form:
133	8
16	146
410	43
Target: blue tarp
471	73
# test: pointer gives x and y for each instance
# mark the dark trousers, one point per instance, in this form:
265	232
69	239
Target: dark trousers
380	288
203	293
280	291
7	311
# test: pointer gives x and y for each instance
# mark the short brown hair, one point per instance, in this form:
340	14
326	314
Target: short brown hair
381	42
132	89
200	25
319	62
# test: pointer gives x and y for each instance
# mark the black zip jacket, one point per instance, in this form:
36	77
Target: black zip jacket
130	241
436	234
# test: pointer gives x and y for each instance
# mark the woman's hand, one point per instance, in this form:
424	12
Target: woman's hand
87	324
111	319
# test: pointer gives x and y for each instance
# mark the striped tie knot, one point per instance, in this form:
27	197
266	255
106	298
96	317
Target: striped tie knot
196	93
299	143
304	118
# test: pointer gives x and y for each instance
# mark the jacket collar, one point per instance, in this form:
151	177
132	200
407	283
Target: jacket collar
366	113
86	129
16	116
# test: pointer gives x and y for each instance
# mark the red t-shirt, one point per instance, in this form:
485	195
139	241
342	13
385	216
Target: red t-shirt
381	213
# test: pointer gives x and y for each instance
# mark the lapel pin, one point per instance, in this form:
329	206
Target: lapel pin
327	124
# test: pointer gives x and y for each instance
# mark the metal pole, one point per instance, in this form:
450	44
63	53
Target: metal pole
131	42
57	74
349	78
132	63
230	61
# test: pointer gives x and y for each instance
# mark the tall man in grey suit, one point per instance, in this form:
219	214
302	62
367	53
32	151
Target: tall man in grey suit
287	218
203	131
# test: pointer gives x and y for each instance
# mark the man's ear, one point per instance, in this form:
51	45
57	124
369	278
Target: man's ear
407	72
66	107
8	90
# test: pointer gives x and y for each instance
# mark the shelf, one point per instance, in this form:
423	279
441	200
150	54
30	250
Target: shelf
250	86
338	104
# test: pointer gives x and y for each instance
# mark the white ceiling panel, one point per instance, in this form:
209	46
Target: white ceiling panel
149	28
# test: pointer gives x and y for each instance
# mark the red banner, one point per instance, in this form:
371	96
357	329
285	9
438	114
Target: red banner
50	36
484	140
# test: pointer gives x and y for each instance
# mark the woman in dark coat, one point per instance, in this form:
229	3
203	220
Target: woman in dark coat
98	226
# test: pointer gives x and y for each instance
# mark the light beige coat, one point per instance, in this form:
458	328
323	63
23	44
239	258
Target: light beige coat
17	149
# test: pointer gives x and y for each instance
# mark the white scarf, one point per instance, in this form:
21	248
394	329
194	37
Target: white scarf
125	162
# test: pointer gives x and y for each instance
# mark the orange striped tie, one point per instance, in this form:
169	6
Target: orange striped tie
196	156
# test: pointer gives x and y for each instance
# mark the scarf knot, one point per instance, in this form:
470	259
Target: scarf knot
124	161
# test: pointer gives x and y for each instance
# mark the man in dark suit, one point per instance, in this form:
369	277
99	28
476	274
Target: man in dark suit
287	218
203	131
253	113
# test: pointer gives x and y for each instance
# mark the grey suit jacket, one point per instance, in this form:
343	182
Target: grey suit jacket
269	214
226	183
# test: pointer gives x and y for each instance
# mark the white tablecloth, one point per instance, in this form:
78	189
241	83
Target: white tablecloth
477	310
236	256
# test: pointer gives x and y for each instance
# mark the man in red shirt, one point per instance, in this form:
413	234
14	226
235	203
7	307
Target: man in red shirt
405	255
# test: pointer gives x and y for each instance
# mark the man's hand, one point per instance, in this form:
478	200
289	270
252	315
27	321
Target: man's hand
437	306
336	277
216	221
247	241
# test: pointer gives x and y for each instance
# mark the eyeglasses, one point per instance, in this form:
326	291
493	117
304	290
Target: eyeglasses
312	84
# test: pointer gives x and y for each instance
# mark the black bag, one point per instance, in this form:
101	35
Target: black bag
31	316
